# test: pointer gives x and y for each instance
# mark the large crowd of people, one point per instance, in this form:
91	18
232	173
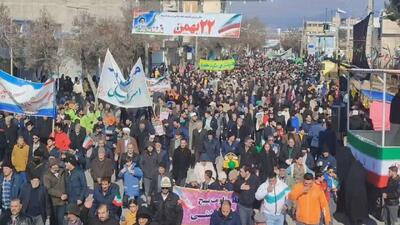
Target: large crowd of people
263	130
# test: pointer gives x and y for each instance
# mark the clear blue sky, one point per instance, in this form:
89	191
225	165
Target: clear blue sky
290	13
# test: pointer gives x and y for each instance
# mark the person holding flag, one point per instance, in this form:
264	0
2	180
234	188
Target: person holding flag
106	194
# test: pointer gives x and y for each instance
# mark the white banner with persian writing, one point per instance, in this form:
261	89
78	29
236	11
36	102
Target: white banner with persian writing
114	89
161	84
188	24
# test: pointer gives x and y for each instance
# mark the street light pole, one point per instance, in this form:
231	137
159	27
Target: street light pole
11	61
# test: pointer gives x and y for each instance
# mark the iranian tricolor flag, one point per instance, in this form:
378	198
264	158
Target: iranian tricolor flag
88	142
117	200
375	159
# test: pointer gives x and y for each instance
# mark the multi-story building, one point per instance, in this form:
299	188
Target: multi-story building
319	38
389	43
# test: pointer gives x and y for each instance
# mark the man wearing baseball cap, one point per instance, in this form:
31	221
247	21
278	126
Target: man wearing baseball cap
166	215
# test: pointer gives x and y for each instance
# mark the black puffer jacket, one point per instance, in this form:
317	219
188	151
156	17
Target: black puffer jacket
168	211
392	191
21	220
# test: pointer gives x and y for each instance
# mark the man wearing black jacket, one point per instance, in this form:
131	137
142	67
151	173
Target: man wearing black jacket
165	205
35	201
246	186
102	217
391	196
247	153
395	118
17	217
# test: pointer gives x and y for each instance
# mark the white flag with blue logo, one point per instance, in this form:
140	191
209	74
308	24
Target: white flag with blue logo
116	90
26	97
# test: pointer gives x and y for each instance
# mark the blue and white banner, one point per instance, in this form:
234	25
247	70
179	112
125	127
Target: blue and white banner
31	98
160	84
114	89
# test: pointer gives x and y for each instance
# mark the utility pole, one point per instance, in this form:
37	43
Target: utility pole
370	31
348	38
11	61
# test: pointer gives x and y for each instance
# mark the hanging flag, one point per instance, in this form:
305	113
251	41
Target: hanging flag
117	200
359	43
88	142
114	89
31	98
260	146
341	11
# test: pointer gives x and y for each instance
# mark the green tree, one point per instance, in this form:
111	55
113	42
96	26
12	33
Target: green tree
393	10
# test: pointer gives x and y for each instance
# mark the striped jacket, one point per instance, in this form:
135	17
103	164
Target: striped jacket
274	201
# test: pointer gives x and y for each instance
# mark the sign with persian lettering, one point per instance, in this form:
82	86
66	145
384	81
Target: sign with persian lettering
188	24
217	65
26	97
198	205
115	89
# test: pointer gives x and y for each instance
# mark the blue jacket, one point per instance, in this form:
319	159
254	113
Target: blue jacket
76	186
183	131
294	122
108	198
324	163
226	147
314	132
212	148
218	219
17	181
131	181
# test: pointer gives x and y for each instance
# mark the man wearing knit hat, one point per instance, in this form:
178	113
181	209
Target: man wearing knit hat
143	216
73	215
76	185
37	165
54	181
35	201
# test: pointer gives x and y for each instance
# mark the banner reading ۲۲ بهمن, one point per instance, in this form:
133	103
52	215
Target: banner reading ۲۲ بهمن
188	24
217	65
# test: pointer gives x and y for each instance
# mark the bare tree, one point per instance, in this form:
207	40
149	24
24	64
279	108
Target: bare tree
253	33
10	37
292	39
42	45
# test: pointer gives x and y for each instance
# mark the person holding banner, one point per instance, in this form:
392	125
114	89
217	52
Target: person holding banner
209	182
224	215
